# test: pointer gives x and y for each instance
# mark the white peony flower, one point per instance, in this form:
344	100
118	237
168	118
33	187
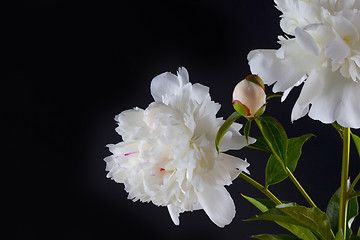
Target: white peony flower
168	153
323	52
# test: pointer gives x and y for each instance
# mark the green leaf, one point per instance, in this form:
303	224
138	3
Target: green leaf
312	218
275	172
265	204
224	127
275	215
339	236
274	237
355	237
275	136
332	211
356	140
262	204
247	130
260	144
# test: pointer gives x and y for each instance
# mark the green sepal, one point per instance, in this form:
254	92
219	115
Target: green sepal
260	111
224	127
256	79
241	108
274	237
275	172
338	128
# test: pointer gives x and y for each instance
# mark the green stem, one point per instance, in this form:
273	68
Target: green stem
299	187
286	169
261	188
344	200
354	183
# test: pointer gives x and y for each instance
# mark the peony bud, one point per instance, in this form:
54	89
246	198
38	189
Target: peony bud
249	98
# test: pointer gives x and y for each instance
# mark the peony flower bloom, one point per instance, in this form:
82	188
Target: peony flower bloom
249	97
323	52
168	153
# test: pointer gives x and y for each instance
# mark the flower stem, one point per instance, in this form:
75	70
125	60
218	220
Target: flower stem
261	188
344	200
354	183
299	187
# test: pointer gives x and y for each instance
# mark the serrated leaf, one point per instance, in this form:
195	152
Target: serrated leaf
260	144
332	211
274	237
312	218
356	140
265	204
224	127
275	172
275	136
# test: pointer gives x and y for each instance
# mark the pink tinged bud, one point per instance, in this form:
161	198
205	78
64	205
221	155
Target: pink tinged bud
249	97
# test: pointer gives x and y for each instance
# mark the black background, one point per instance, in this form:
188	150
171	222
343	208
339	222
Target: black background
72	66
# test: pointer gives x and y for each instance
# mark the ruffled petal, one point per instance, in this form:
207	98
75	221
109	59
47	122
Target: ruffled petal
332	98
183	76
218	204
130	122
233	140
233	165
338	101
309	91
271	69
174	213
337	49
306	41
168	83
199	92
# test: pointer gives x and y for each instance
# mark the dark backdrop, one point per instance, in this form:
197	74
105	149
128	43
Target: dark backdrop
72	66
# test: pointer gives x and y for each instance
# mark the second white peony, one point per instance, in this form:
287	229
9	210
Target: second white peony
168	154
323	52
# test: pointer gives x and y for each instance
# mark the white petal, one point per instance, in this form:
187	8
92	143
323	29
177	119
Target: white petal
306	41
218	204
309	91
233	165
174	214
233	140
130	122
165	83
273	70
337	49
183	76
199	92
338	101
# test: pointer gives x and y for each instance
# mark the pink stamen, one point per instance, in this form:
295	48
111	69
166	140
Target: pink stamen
130	153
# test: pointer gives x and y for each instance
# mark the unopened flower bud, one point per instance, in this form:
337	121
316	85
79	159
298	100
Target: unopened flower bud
249	98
